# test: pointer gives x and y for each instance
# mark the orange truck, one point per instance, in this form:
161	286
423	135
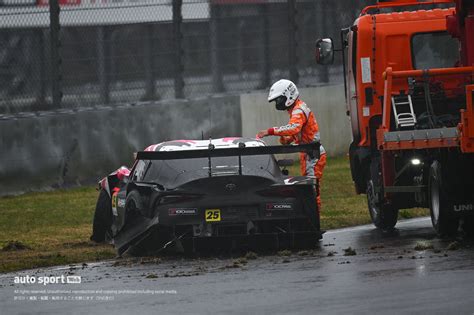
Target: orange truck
409	86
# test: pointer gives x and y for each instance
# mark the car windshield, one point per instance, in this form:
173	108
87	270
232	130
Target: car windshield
434	50
173	173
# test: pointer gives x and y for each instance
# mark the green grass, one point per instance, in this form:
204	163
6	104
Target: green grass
341	207
56	225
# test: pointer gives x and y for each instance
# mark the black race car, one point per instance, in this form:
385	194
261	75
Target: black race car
214	194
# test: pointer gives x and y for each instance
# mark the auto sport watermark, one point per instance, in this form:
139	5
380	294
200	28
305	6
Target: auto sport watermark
45	280
81	295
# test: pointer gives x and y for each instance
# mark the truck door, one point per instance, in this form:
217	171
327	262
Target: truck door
351	93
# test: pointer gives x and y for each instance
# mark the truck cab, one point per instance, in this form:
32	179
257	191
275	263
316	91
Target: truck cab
402	41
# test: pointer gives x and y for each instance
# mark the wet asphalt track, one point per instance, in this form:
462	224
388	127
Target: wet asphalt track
386	275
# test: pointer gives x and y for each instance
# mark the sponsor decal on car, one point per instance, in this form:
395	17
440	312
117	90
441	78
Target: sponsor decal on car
181	211
114	203
121	202
279	206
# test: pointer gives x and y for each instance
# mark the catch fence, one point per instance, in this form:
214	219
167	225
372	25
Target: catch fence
81	53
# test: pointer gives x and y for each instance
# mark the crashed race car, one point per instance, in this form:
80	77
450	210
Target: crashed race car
209	194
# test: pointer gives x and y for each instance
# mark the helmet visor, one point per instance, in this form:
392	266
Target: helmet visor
280	102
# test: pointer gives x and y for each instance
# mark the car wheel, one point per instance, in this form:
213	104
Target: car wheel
384	216
133	205
102	221
443	223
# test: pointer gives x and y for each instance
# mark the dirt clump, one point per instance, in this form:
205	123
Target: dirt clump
349	252
376	246
12	246
423	245
453	246
235	264
285	252
344	262
251	255
241	260
149	260
181	274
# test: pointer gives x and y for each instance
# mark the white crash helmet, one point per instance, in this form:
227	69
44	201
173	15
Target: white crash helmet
284	88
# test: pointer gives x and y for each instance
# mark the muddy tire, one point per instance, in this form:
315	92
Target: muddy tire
468	226
102	221
443	223
384	216
134	205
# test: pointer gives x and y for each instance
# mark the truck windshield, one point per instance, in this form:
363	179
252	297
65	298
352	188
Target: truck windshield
434	50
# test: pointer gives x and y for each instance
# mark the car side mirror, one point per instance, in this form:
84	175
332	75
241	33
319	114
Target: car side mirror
285	162
324	53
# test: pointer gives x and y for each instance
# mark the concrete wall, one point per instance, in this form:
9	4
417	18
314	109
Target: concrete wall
51	149
72	147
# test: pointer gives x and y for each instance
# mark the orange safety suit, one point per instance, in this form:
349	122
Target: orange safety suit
301	129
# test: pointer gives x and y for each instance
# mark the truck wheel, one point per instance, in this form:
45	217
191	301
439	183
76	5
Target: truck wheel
468	226
102	218
384	216
443	224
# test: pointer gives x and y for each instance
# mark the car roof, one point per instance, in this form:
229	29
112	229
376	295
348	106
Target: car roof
220	143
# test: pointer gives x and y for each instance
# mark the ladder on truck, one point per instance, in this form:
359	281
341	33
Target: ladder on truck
403	111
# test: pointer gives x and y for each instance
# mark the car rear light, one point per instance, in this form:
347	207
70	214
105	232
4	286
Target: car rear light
285	192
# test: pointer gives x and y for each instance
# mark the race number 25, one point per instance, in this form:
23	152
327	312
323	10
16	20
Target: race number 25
213	215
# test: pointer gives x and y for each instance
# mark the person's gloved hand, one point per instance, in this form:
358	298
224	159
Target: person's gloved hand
261	134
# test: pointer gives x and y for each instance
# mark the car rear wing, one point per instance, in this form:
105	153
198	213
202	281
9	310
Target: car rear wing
312	149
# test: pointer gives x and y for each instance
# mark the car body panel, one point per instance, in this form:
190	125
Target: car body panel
222	197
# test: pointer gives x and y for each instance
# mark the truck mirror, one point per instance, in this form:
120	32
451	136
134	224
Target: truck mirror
324	51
